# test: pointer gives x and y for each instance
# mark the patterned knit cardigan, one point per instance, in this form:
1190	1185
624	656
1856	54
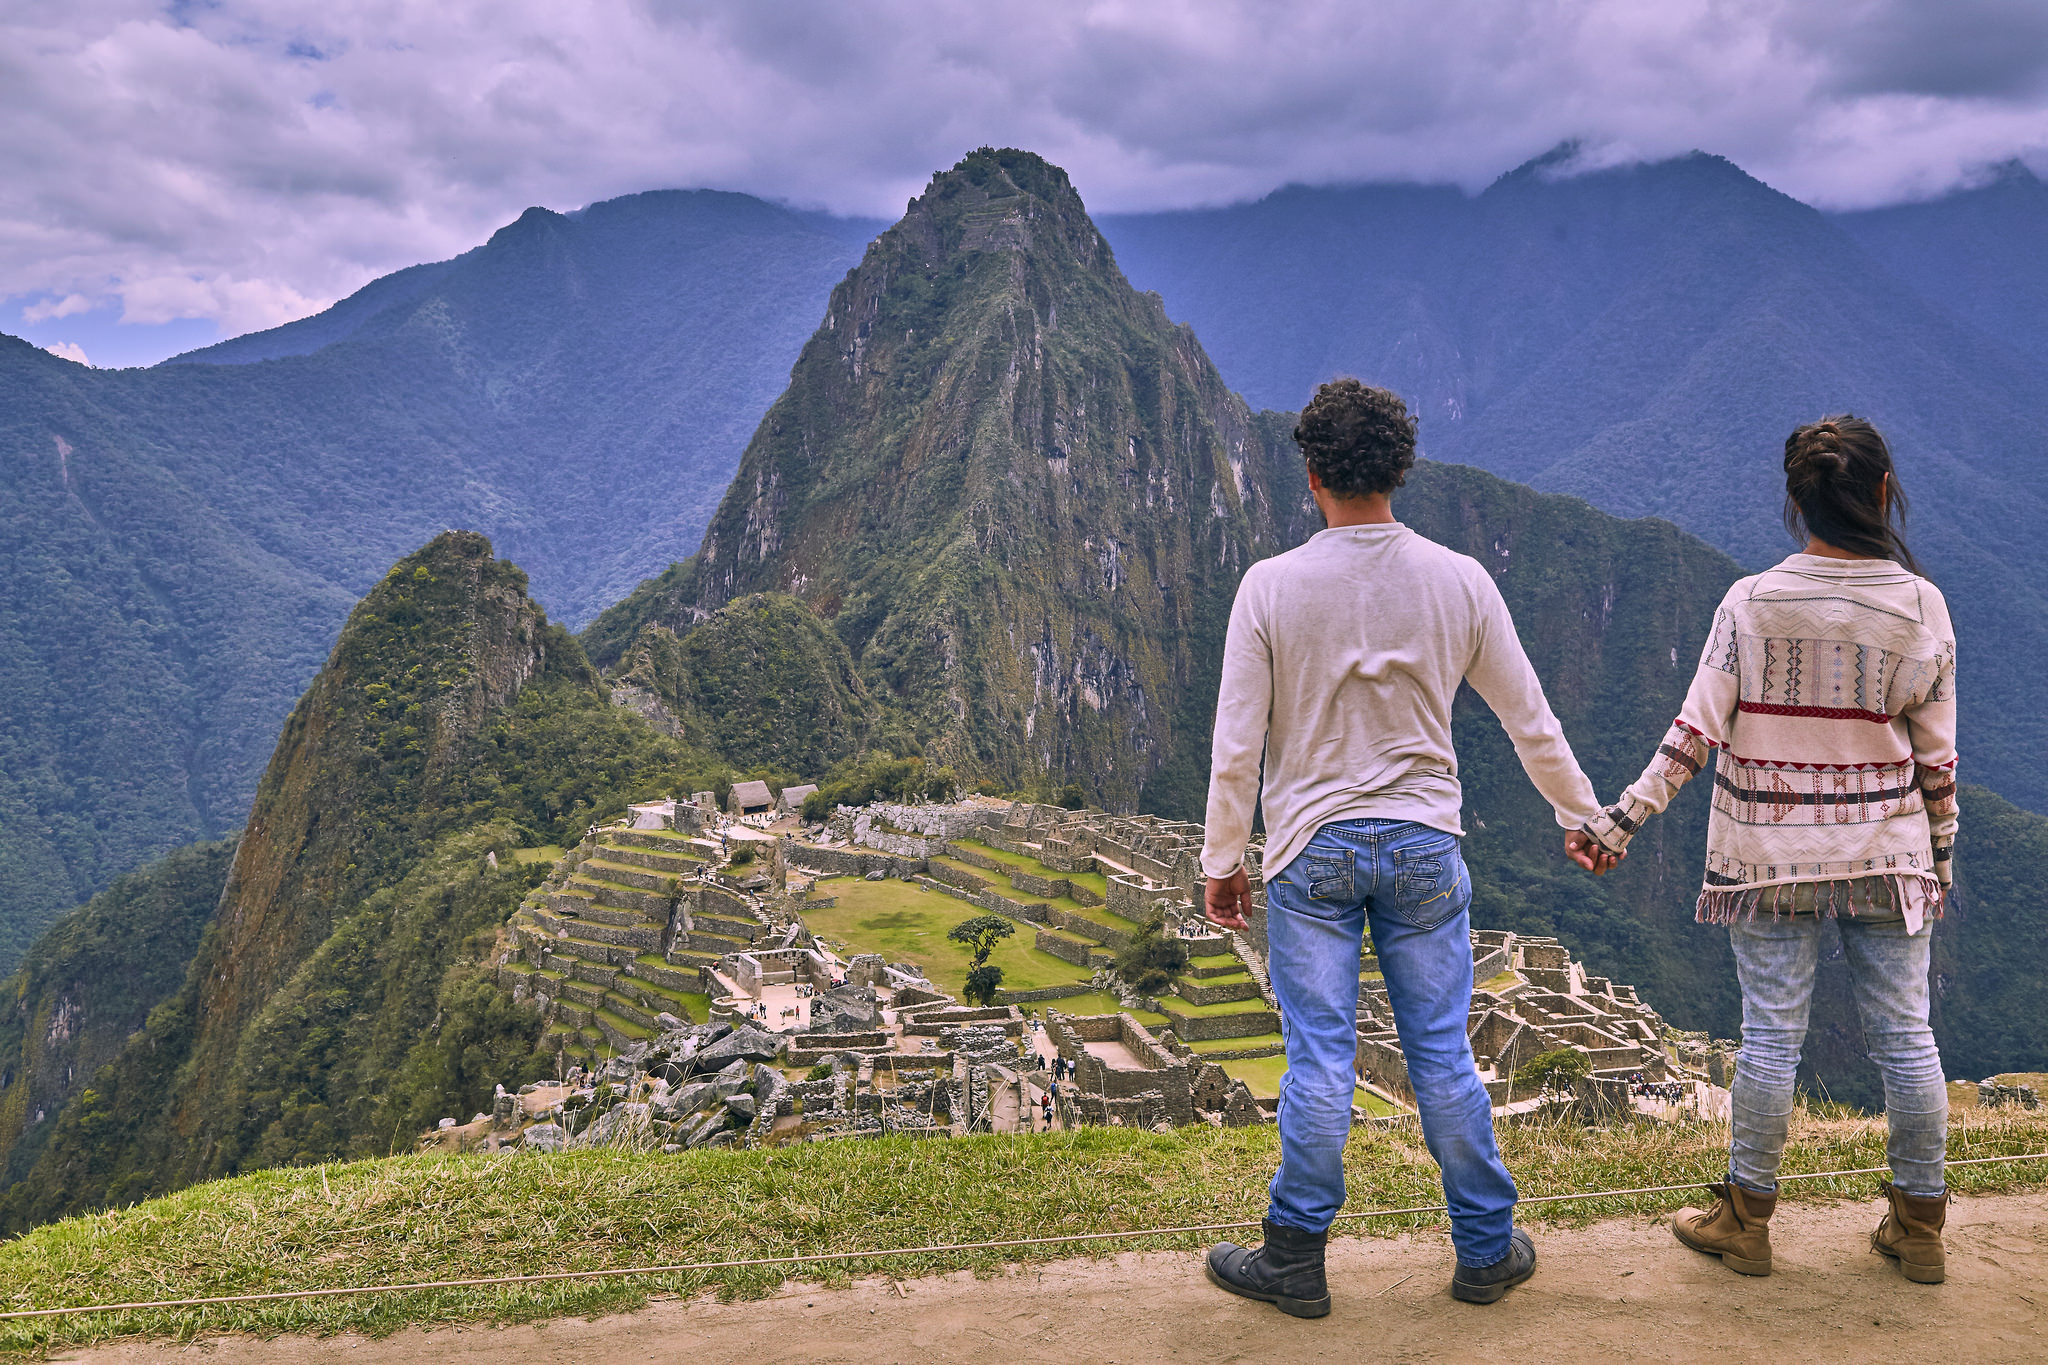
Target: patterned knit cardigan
1827	689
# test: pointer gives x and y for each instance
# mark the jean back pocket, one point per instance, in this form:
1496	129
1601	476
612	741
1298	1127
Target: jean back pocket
1329	876
1430	881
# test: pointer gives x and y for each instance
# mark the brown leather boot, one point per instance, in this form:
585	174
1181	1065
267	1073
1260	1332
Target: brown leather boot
1737	1228
1911	1234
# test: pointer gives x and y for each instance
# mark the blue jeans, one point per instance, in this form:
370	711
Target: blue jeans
1411	882
1775	960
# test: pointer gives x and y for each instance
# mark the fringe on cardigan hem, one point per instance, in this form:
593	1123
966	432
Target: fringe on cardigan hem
1834	899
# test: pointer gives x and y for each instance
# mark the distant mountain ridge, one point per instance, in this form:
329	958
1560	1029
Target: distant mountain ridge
1646	336
181	544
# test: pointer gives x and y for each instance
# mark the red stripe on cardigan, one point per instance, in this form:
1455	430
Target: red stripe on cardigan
1758	708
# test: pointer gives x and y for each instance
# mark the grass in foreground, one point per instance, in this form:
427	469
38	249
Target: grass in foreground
420	1218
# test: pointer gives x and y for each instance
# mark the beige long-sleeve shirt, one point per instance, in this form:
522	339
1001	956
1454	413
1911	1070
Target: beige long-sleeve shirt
1341	663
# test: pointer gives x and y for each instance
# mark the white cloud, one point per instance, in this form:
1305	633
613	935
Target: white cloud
68	350
247	162
57	308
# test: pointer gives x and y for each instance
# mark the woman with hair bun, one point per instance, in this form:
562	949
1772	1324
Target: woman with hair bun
1827	695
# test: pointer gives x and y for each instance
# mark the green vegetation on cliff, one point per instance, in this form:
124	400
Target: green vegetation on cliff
761	682
334	1005
91	981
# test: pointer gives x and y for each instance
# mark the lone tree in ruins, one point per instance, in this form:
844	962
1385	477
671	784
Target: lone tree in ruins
981	934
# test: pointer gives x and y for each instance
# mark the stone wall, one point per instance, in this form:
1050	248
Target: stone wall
1065	949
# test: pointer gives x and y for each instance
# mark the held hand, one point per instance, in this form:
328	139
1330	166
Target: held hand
1227	900
1583	849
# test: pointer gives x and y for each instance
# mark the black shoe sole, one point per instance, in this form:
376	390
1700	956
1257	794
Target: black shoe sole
1488	1293
1298	1308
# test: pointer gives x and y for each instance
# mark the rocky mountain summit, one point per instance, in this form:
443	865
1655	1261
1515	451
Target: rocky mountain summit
1019	494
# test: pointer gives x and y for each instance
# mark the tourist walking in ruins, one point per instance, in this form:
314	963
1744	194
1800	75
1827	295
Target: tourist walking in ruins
1828	689
1340	666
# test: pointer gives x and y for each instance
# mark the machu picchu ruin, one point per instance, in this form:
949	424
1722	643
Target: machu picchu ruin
718	974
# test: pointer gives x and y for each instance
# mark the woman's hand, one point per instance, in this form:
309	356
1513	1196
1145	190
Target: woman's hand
1589	853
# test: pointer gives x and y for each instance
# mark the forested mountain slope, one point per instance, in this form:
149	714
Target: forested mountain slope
334	998
179	545
1645	337
1980	254
91	981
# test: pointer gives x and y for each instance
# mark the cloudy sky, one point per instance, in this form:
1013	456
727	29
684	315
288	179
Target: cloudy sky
176	172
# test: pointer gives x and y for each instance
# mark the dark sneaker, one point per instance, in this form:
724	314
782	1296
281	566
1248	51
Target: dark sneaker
1286	1272
1486	1284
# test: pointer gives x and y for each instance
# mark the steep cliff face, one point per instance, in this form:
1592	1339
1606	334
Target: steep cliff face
90	982
366	764
1019	493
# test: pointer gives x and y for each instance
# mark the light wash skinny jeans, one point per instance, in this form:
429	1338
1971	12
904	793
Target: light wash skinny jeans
1411	882
1775	959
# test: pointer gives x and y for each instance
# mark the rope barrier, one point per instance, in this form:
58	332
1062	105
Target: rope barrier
811	1258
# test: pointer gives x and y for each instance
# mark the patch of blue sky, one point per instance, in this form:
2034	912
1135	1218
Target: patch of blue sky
98	336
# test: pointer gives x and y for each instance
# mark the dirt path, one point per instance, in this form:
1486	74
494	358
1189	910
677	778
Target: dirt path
1617	1291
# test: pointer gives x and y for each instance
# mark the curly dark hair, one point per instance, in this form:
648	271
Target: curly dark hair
1359	440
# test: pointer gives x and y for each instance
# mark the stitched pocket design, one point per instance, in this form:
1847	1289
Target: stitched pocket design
1329	877
1430	884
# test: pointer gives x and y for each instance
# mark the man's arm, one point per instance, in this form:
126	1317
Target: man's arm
1500	673
1244	705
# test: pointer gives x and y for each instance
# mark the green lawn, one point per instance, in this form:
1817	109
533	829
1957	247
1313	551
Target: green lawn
1262	1076
1000	884
440	1217
1096	1002
1232	1044
991	879
906	923
1008	859
1180	1006
539	853
1093	881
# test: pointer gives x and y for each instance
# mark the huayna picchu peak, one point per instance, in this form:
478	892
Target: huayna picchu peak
1018	492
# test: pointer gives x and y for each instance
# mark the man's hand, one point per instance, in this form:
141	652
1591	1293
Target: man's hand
1227	900
1589	853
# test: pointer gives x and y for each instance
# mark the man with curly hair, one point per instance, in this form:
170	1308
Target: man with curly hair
1340	666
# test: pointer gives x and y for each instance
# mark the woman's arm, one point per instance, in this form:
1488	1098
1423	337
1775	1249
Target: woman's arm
1703	724
1932	727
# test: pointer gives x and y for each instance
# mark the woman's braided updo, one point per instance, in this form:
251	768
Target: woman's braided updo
1840	488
